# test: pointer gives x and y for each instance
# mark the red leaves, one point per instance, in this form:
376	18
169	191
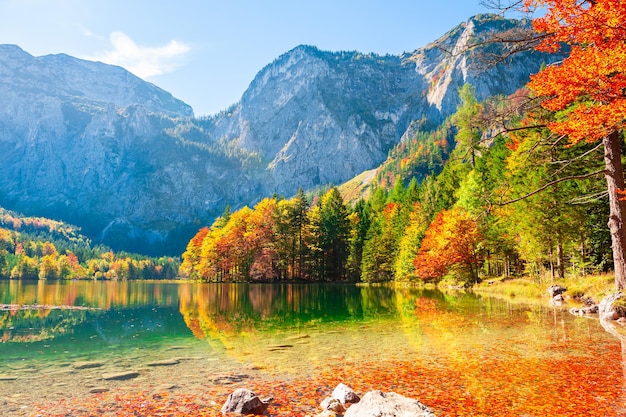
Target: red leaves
590	83
451	240
495	382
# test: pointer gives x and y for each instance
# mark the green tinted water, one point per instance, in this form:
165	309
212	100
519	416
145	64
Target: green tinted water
486	345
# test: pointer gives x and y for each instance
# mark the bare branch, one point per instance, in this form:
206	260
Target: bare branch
550	184
586	199
568	162
503	7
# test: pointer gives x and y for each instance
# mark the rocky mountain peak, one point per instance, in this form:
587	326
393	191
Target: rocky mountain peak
91	83
93	145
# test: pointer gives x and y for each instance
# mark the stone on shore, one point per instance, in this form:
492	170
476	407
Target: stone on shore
388	404
244	401
345	394
332	404
556	292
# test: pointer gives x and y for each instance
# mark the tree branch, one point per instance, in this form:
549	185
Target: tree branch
550	184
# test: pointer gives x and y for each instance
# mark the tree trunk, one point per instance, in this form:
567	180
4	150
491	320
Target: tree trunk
615	181
560	257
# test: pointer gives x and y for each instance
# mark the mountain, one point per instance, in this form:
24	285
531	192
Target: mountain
319	117
93	145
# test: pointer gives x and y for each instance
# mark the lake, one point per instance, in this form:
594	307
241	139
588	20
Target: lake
188	345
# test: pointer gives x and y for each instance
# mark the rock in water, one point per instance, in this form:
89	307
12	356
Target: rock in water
120	376
87	364
607	310
556	291
244	401
388	404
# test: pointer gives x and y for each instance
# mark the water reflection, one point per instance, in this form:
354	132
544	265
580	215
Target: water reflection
440	347
221	313
619	332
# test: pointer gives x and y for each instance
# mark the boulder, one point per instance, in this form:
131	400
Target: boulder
388	404
556	292
607	310
244	401
345	394
332	404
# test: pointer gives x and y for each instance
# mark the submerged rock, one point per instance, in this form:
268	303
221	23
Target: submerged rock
87	364
388	404
165	362
120	376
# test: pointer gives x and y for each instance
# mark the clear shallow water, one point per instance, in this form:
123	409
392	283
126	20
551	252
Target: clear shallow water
459	353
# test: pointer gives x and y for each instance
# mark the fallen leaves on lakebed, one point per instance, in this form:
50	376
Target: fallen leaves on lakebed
494	387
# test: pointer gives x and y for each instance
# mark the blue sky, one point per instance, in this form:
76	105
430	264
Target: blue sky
207	52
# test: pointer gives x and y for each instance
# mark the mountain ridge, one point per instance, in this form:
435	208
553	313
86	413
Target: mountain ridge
128	163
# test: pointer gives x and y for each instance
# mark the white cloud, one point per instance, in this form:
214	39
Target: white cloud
143	61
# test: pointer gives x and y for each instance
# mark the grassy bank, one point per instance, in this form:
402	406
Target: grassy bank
595	287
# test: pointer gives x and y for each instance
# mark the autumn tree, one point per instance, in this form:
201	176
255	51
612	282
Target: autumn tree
191	256
588	89
451	241
26	268
409	244
260	242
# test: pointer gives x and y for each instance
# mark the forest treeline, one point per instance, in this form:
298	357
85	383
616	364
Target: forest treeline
464	200
510	199
40	248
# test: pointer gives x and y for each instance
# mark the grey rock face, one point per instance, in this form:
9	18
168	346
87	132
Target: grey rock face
320	117
95	146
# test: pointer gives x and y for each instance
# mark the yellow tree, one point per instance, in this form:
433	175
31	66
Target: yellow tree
588	88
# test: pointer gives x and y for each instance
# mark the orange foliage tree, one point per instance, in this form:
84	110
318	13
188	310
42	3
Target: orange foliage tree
588	89
451	241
